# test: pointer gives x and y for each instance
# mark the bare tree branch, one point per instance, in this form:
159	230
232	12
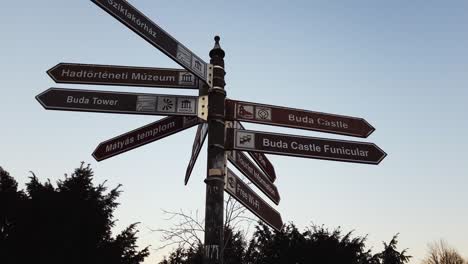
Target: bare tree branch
188	229
440	253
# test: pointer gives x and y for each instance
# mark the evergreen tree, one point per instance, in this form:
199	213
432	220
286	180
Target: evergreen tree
316	245
234	246
70	223
11	201
290	246
390	255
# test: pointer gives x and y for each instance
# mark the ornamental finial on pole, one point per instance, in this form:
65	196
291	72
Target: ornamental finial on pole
217	51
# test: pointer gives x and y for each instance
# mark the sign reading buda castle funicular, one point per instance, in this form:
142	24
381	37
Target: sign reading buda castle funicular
307	147
184	112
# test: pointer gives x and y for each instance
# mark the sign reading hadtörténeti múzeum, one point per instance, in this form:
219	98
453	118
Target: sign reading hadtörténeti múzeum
122	75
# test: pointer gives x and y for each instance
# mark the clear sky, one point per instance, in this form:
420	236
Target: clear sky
401	65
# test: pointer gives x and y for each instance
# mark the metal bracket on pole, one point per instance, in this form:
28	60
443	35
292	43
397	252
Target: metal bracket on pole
209	75
202	112
215	172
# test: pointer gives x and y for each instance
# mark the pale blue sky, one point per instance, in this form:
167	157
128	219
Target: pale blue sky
401	65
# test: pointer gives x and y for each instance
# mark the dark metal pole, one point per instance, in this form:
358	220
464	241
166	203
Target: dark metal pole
214	208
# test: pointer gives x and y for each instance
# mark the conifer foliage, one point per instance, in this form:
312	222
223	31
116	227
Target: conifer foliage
316	244
69	223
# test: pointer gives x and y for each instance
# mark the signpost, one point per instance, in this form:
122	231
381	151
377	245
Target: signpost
255	175
297	118
156	36
307	147
200	137
185	111
260	159
122	75
143	135
123	103
247	197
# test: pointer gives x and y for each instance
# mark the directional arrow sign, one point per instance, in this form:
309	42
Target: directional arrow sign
200	137
297	118
156	36
247	197
307	147
122	75
143	135
255	175
260	158
122	103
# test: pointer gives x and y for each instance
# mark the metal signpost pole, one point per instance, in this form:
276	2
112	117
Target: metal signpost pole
214	209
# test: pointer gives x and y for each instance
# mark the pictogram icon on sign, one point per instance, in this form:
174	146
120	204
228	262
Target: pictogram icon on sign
166	104
245	111
263	113
246	140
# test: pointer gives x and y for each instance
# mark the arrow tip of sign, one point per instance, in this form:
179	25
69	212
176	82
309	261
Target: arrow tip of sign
279	227
49	72
38	98
371	128
384	154
187	175
95	157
